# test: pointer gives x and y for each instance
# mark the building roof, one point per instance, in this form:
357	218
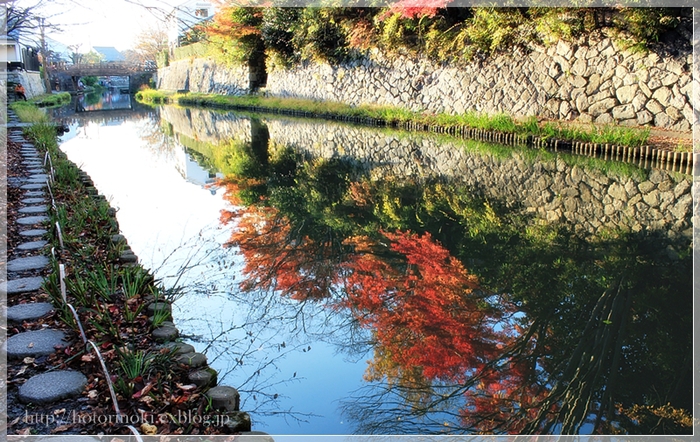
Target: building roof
59	51
109	53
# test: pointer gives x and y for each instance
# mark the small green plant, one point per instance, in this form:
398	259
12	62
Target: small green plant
132	310
134	363
102	321
134	280
159	317
684	146
104	282
79	288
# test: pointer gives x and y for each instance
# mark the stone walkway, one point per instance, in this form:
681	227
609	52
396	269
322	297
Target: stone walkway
25	274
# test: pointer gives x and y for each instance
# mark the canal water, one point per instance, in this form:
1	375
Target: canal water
359	280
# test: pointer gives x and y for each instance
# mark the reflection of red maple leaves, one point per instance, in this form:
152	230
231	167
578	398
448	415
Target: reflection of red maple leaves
428	316
423	310
275	259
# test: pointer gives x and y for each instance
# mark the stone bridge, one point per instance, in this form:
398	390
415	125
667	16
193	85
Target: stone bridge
65	77
116	68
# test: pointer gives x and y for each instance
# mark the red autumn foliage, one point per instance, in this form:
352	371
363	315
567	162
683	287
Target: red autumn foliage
417	8
224	25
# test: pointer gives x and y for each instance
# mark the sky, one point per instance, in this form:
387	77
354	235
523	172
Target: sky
115	23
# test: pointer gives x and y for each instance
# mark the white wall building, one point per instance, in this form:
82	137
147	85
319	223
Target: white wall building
10	50
185	16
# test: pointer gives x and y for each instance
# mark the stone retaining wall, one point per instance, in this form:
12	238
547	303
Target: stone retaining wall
593	80
32	82
205	76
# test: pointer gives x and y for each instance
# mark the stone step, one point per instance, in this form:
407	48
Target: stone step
38	178
34	343
34	245
33	209
33	201
192	360
28	312
28	263
165	333
53	386
23	285
33	232
31	220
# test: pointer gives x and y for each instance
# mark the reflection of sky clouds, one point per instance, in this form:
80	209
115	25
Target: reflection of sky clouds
272	349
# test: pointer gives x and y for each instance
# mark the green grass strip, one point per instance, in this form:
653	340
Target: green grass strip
616	135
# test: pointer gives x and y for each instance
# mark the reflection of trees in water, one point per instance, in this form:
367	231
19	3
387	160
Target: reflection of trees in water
598	331
244	351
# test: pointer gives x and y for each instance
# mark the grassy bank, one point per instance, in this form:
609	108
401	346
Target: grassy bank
394	116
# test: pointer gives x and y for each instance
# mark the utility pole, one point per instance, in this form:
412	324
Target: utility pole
43	51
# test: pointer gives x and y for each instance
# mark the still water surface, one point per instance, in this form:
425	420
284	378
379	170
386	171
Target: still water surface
358	280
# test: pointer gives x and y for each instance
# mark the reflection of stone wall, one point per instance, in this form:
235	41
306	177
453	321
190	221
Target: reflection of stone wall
591	81
205	125
554	191
205	76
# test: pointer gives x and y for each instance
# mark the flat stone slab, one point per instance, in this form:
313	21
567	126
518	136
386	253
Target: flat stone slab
37	179
35	193
33	186
34	209
52	386
36	170
27	312
33	200
128	256
34	343
16	181
32	163
28	263
34	245
34	232
24	285
31	220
